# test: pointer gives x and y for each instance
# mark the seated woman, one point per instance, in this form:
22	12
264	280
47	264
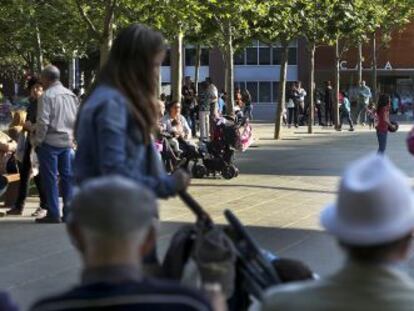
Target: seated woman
177	126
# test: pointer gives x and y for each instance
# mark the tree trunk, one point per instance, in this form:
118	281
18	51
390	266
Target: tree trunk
360	58
39	50
177	67
374	68
337	84
311	117
197	67
229	55
282	90
107	34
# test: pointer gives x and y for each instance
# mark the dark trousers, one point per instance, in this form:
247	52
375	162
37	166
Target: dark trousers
24	171
319	113
345	114
54	161
291	115
382	141
328	114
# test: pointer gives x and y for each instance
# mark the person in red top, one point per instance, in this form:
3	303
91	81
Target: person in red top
383	117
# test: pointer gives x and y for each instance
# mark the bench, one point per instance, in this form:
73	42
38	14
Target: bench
12	190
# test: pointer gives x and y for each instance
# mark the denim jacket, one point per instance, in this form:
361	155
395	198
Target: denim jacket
109	142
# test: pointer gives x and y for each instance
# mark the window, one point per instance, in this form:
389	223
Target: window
277	56
239	58
265	93
239	85
264	56
167	59
191	55
252	87
275	87
205	57
251	56
292	57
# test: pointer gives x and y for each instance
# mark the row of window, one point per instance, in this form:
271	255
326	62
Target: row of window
264	56
190	57
249	56
261	91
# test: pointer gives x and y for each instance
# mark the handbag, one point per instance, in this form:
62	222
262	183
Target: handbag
410	141
21	146
290	103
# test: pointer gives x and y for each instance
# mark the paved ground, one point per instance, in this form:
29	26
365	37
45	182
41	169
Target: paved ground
282	187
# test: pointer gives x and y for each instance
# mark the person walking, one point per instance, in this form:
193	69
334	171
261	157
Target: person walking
383	119
291	108
364	97
35	90
212	93
329	103
115	125
318	98
53	140
248	105
299	95
188	92
345	112
204	112
373	222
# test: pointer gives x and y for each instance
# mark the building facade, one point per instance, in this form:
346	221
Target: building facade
257	68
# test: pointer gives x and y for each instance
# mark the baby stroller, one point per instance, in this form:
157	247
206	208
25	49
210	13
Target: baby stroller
217	156
250	270
172	161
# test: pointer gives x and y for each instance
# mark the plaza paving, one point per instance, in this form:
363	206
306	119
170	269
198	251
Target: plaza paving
281	189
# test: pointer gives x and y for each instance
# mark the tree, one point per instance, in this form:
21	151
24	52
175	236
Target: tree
237	24
392	16
281	24
314	29
348	24
174	18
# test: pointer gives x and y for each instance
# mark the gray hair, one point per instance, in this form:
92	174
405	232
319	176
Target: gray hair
51	73
113	206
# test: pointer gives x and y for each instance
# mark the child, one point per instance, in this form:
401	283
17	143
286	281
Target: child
175	145
372	115
346	112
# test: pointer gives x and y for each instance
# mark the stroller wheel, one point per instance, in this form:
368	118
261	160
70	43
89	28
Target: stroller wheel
199	171
237	172
229	172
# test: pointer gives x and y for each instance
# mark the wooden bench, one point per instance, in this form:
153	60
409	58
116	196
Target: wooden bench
12	190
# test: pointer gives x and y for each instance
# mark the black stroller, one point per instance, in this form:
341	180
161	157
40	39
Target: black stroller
249	275
217	155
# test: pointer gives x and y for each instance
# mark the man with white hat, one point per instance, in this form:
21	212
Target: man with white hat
373	221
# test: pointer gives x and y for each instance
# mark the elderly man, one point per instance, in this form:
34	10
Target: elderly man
364	97
53	139
111	223
373	221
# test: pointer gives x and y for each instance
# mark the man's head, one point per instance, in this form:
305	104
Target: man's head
373	217
49	75
363	83
187	81
209	81
112	221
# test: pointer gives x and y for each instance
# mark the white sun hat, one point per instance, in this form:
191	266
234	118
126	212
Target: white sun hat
375	204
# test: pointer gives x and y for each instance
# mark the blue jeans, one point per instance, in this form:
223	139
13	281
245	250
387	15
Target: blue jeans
382	141
248	112
54	161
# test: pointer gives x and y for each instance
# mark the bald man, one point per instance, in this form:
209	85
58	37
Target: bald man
53	142
111	223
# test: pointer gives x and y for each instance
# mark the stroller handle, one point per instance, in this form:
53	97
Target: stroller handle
254	251
195	207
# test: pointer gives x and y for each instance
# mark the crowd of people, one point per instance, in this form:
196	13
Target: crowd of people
101	158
